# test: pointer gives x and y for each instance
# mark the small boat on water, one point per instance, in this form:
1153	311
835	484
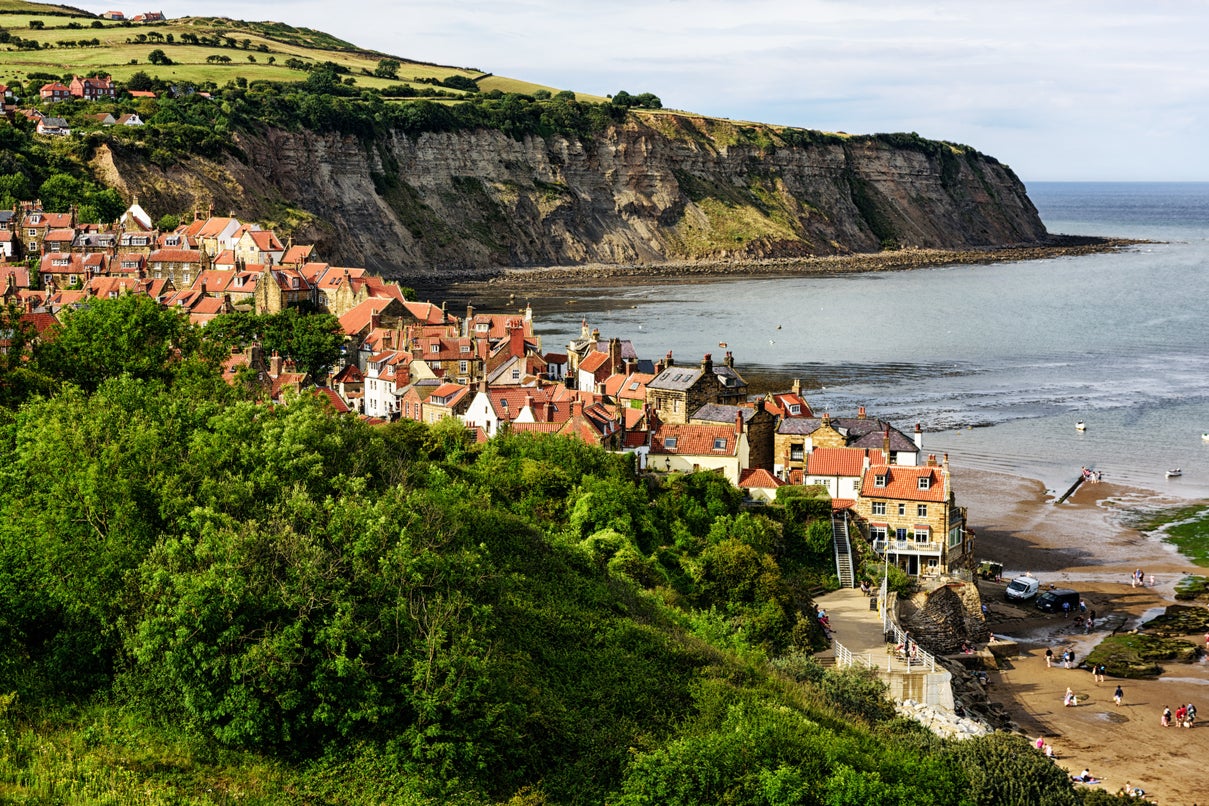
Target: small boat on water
1205	437
1174	472
1080	426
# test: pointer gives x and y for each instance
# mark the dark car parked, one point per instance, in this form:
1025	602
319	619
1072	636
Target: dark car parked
1051	601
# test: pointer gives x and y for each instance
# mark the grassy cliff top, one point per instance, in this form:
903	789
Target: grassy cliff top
201	49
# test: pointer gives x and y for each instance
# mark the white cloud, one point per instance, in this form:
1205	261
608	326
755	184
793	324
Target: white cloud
1059	89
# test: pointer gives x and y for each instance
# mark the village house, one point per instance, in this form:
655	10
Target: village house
796	437
688	448
181	266
349	383
386	375
278	289
254	245
840	471
53	127
129	119
626	389
411	401
909	515
127	264
757	424
447	400
759	485
788	404
6	245
54	91
676	392
92	89
211	235
114	16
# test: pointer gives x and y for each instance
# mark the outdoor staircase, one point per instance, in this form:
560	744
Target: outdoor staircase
843	550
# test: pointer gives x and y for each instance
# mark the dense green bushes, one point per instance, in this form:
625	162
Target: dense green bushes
296	605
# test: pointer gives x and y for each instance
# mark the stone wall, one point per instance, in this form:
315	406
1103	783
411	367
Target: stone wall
943	618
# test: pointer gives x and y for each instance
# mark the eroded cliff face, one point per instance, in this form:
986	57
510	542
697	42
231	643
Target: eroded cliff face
662	187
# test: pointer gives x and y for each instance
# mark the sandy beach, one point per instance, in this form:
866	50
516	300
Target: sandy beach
1082	544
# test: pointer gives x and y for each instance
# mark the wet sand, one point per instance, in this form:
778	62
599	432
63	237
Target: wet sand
1082	544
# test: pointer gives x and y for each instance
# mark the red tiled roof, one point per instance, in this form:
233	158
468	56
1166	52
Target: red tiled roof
333	398
757	477
840	461
175	256
902	483
695	440
594	362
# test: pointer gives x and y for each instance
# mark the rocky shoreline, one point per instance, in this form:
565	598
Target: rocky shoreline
898	260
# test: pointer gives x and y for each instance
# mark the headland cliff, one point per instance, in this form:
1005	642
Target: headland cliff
660	187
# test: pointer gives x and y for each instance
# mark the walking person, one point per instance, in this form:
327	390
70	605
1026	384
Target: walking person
1049	658
1117	695
1191	715
1165	719
1069	698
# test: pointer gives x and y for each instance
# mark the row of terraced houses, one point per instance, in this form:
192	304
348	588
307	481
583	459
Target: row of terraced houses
406	359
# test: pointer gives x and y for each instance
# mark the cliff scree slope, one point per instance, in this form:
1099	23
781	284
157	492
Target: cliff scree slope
661	186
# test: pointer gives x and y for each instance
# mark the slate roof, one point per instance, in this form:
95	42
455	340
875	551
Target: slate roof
676	379
721	413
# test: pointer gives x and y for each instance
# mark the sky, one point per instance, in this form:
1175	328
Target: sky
1078	90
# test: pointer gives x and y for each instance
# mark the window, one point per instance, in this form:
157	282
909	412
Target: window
879	480
436	348
463	366
720	443
670	443
902	509
794	408
795	453
921	510
877	532
465	348
921	535
516	374
879	507
900	533
955	536
925	483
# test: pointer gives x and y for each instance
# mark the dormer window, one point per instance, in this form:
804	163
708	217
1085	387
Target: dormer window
794	408
925	483
436	348
879	480
465	348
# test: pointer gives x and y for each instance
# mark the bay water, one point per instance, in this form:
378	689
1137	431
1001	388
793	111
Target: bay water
996	362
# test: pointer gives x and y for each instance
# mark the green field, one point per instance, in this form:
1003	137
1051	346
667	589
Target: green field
121	54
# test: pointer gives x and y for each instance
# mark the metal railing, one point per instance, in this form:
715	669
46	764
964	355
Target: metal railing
844	657
909	546
907	649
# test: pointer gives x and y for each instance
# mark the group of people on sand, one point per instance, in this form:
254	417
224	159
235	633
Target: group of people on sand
1139	579
1185	716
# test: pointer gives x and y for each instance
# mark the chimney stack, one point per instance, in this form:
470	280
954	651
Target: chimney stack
860	413
919	437
797	387
707	363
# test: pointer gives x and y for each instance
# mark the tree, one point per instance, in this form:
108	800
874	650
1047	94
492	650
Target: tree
157	56
140	81
132	334
387	68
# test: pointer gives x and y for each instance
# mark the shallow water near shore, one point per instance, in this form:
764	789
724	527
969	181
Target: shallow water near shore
996	362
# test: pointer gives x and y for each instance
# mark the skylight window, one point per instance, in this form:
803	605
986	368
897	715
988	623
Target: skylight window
670	443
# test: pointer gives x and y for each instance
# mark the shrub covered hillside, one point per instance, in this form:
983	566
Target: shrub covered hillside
207	599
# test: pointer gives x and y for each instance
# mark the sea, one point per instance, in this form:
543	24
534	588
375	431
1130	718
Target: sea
996	363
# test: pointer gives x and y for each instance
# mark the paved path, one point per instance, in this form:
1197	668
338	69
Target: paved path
859	629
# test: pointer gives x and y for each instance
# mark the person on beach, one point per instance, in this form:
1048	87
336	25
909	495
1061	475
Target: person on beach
1066	610
1181	714
1049	658
1191	718
1040	743
1165	719
1069	699
1117	695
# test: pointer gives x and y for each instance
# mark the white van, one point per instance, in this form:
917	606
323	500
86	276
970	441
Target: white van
1022	588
